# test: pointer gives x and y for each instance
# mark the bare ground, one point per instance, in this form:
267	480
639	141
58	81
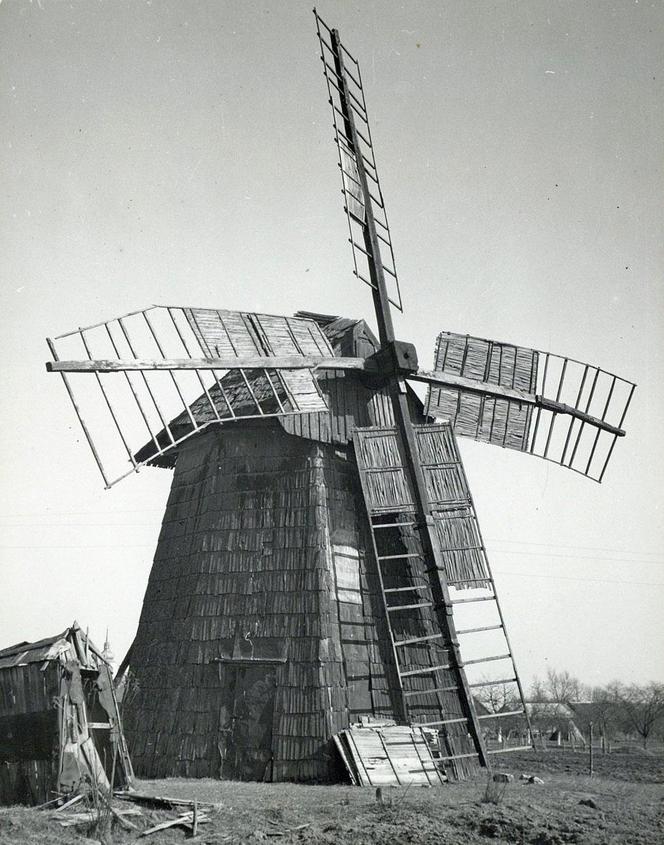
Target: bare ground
621	805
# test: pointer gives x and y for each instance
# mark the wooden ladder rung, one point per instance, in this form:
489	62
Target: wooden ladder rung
424	670
409	606
502	715
507	750
392	524
487	659
406	589
399	557
493	683
441	722
492	597
418	639
475	630
432	691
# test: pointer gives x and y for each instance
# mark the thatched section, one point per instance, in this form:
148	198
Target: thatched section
351	403
500	421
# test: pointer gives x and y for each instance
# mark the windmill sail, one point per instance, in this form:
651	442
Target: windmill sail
436	677
166	373
544	404
357	162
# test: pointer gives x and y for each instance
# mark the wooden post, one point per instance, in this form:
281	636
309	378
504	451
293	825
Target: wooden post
590	755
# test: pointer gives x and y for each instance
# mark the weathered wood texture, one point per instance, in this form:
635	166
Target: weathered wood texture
59	720
350	402
390	755
263	555
28	734
504	422
262	532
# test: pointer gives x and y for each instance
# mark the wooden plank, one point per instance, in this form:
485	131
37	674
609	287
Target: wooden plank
292	362
352	772
391	754
507	750
446	379
157	800
185	820
69	803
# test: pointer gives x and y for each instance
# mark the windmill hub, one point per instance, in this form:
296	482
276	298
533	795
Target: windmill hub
396	358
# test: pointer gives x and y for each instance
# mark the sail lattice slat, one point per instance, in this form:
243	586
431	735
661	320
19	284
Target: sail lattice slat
355	150
435	677
387	491
543	423
120	409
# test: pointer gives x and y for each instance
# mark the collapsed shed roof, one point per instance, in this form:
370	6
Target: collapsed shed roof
50	648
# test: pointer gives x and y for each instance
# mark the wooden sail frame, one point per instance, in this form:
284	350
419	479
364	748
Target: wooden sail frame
513	396
157	362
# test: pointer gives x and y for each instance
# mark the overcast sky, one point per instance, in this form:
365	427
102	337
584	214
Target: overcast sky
181	153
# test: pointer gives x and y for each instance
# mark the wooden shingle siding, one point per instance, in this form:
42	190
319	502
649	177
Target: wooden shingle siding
241	553
245	556
245	569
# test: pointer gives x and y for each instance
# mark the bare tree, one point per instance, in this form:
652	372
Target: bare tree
643	706
497	698
557	686
562	686
601	710
500	698
538	690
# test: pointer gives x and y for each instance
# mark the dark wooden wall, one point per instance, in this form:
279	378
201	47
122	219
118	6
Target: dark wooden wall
262	632
28	733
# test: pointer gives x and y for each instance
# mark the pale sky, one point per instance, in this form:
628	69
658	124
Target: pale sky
181	153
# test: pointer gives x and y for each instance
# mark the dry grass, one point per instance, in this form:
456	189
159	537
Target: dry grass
625	813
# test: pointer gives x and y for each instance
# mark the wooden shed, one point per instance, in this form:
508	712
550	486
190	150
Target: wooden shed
60	726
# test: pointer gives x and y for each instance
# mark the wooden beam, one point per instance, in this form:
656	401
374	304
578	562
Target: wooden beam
295	362
485	388
443	379
560	408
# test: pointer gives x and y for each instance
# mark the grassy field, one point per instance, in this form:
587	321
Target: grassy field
621	805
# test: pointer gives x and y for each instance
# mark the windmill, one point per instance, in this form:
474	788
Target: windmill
320	557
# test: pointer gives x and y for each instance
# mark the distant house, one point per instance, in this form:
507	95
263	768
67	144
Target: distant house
610	718
59	720
554	721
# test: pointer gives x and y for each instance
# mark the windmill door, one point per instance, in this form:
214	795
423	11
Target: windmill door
245	726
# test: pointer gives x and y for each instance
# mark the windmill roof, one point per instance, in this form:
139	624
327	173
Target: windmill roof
347	336
344	333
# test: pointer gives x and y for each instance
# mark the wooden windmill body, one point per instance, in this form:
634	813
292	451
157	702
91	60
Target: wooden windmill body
320	545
